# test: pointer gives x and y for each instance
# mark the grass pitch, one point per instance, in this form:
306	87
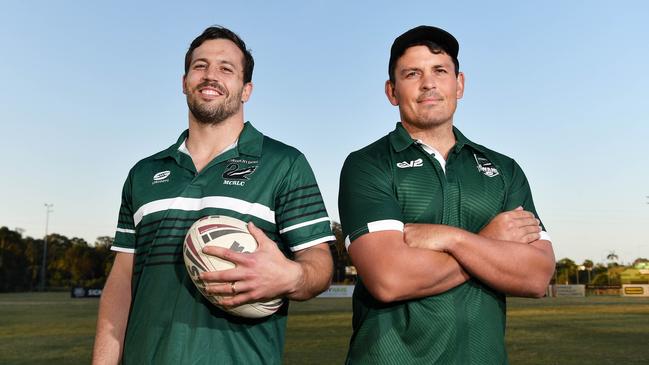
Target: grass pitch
52	328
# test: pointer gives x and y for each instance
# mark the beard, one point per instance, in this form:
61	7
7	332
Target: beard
430	121
210	114
426	118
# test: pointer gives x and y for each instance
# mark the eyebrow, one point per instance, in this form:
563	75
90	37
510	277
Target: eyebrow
222	62
408	69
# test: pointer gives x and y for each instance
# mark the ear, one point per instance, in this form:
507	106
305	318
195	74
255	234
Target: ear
184	87
460	86
391	93
247	91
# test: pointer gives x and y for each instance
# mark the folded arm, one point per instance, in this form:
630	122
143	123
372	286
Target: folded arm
507	255
393	271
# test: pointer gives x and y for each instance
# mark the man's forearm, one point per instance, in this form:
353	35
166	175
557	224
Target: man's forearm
393	271
113	313
420	273
316	270
510	267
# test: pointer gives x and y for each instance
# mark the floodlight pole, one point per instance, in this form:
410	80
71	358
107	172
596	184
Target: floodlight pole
48	210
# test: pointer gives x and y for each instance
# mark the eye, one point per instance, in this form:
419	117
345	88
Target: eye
440	71
227	70
410	74
200	66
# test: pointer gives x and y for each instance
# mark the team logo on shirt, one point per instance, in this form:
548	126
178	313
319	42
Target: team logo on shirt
161	177
237	172
485	166
407	164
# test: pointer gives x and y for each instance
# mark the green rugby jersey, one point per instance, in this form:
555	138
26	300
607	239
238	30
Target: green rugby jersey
395	181
259	180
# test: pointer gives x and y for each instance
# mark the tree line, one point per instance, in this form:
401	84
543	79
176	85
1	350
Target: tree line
70	262
73	262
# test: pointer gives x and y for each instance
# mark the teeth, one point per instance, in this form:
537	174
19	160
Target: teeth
209	92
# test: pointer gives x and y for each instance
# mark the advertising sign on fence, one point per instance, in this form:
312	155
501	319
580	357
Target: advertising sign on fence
338	291
635	290
85	292
569	290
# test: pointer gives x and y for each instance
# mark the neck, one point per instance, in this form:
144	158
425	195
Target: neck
439	136
206	141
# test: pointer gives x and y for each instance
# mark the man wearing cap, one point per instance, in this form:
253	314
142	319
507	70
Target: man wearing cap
440	228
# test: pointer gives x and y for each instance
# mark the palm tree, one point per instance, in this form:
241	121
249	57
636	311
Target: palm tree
612	258
588	264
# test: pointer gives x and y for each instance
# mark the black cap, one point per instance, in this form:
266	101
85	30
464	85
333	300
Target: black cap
423	33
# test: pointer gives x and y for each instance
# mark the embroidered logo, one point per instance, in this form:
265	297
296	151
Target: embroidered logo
485	166
234	174
407	164
160	177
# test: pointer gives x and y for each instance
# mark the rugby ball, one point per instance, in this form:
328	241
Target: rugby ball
230	233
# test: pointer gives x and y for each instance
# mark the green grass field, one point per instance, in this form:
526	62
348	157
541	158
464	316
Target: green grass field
51	328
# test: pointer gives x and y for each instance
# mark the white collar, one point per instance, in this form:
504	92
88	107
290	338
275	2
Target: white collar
434	152
183	148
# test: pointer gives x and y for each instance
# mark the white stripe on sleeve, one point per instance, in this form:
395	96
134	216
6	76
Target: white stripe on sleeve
122	249
304	224
313	243
385	225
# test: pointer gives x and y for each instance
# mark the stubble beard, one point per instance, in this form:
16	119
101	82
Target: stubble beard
207	114
430	121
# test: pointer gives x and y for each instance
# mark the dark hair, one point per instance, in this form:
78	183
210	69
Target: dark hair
219	32
432	47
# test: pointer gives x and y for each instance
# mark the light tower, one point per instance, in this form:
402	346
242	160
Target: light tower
48	210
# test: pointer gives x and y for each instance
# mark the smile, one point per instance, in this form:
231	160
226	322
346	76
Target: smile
211	92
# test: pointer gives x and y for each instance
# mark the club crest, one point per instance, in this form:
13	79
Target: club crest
237	172
485	166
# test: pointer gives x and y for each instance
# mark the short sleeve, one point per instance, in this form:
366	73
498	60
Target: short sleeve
520	194
300	212
125	232
366	199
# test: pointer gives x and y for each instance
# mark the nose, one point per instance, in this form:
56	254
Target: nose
428	81
210	73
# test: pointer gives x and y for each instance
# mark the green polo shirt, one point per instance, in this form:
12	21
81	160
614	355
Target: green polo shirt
260	180
395	181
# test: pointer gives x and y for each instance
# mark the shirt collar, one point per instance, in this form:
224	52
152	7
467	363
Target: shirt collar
400	139
250	143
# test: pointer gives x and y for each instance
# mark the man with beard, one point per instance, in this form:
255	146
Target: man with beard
440	228
150	311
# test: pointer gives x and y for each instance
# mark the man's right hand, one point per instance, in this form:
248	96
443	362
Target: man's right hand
515	225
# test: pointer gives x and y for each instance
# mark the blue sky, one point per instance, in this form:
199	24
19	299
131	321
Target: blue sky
89	89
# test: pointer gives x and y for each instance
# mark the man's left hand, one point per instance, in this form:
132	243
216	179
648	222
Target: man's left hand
258	276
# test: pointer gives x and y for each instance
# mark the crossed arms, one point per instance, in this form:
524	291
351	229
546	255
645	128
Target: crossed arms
427	259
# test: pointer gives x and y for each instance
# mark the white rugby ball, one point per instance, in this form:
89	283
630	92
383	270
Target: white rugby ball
230	233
